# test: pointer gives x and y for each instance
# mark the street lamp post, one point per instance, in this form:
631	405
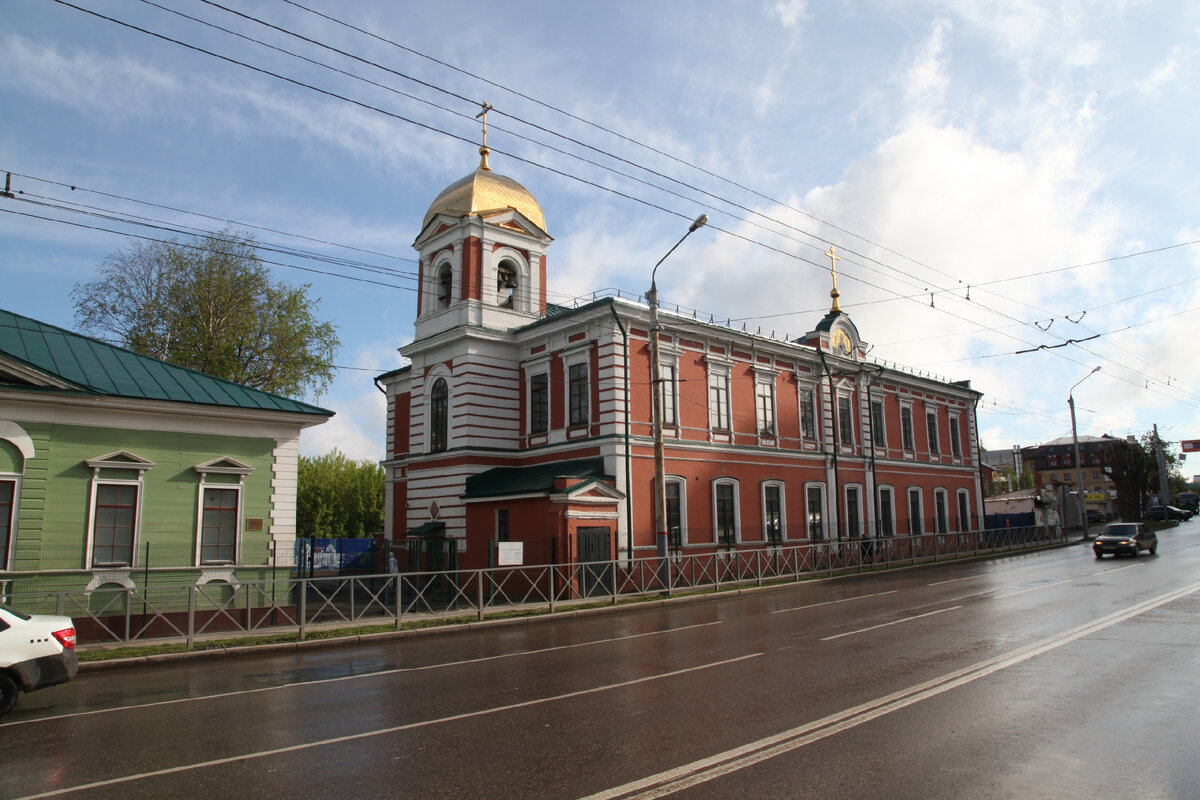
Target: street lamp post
660	484
1078	464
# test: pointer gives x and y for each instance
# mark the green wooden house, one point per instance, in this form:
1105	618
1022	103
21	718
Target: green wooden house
118	470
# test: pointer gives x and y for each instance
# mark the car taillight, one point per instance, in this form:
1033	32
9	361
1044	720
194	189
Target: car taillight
66	637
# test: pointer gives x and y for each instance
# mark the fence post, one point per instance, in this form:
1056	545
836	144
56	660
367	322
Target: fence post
396	584
758	566
553	592
302	586
479	592
191	628
613	566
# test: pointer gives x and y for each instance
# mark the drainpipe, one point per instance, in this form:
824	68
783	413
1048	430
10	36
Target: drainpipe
837	480
612	307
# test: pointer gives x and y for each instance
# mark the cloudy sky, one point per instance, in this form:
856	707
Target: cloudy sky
1013	185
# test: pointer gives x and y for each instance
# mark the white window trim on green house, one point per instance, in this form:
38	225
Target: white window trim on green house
124	461
217	467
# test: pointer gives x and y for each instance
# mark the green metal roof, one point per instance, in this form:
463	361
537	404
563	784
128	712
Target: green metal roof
501	481
90	366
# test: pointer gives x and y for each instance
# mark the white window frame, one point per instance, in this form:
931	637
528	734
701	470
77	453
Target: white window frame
237	533
765	411
879	432
811	403
668	373
14	515
908	433
681	482
779	485
941	502
964	502
916	527
846	398
933	432
118	460
737	511
808	512
858	505
891	519
581	357
522	296
956	450
720	414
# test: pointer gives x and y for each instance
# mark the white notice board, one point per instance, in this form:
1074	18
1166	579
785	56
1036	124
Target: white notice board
510	554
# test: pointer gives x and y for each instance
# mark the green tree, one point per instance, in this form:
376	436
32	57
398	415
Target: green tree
209	304
1129	466
337	497
1150	443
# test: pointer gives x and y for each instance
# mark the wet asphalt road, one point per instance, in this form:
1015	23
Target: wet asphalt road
1040	675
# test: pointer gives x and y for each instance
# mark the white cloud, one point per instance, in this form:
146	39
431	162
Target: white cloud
791	12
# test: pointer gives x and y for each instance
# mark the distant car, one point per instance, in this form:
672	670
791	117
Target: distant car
1163	513
1125	537
35	652
1094	516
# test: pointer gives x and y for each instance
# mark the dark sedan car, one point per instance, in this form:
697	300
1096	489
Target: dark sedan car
1163	513
1125	537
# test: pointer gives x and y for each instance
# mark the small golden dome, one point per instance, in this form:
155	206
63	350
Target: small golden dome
483	191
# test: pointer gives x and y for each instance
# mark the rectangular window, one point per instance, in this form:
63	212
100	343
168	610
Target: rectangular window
219	526
906	428
914	512
718	402
8	490
539	403
113	524
853	514
816	513
674	515
577	394
725	514
955	438
666	374
886	512
878	431
773	513
764	401
808	414
501	524
845	421
964	512
931	428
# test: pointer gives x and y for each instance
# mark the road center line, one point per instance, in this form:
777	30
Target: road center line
833	602
384	731
340	678
956	580
887	624
704	770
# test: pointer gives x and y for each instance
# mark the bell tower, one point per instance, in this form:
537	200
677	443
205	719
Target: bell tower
482	250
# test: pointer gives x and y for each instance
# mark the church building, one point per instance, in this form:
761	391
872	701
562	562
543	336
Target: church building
518	421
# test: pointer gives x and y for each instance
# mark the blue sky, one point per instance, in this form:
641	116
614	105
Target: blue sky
1037	158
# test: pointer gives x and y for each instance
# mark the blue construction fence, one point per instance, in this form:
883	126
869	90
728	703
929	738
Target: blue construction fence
317	558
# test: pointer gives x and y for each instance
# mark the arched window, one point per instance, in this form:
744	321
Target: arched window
506	284
439	401
445	286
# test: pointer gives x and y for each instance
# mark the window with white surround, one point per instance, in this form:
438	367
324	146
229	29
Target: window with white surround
219	527
676	489
725	512
964	510
114	520
718	401
915	511
445	286
539	402
854	511
941	512
577	394
774	522
8	505
887	511
808	413
845	420
931	429
814	510
955	437
666	374
906	427
764	405
439	415
878	429
506	284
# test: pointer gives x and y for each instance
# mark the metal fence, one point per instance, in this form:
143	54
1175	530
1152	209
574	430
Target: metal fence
303	605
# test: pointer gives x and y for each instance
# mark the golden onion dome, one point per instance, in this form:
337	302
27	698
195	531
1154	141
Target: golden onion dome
483	191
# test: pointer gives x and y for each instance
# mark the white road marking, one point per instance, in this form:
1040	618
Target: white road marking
956	580
1035	588
360	676
889	624
382	731
833	602
703	770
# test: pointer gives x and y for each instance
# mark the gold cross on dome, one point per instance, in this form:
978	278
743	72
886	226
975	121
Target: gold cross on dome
834	293
483	149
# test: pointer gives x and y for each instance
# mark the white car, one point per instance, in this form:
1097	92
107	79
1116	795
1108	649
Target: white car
35	652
